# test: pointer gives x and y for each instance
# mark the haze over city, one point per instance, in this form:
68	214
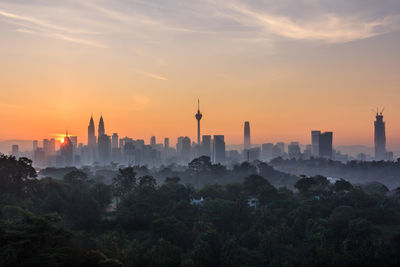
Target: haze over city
288	67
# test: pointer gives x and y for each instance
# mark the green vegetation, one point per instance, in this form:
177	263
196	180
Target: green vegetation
135	221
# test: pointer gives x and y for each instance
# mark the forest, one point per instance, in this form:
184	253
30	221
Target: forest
199	215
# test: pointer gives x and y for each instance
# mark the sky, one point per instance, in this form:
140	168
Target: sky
287	66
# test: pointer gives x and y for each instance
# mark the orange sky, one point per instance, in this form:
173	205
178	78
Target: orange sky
145	77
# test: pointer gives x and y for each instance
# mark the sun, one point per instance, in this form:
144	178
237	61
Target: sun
62	140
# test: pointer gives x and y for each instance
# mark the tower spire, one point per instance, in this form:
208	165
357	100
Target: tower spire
198	117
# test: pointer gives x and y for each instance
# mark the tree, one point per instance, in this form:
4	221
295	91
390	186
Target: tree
76	178
202	164
124	182
15	175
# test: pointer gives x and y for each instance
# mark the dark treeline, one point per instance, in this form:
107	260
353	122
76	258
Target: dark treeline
134	221
385	172
198	173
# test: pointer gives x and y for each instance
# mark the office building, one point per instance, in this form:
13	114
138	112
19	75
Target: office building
380	137
91	133
219	149
247	143
206	145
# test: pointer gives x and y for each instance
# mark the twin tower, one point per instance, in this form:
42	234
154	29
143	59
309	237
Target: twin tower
91	131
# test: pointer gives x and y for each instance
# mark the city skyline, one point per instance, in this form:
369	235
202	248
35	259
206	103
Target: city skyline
287	66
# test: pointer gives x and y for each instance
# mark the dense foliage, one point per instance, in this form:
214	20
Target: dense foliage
386	172
133	221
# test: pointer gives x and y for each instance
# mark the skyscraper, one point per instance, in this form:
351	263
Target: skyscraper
380	137
315	143
206	146
325	145
91	133
186	149
104	146
322	144
247	144
198	118
153	141
114	142
35	145
101	130
67	150
219	149
166	143
15	150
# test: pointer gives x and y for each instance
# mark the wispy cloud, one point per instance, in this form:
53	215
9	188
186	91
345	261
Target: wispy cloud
153	75
325	27
32	25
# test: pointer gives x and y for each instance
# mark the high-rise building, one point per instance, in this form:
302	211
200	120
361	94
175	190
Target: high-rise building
104	147
267	151
15	150
91	133
198	116
380	137
206	146
74	141
114	142
153	141
46	147
247	143
219	149
315	143
322	144
35	145
325	145
52	148
101	129
186	149
294	150
166	143
67	150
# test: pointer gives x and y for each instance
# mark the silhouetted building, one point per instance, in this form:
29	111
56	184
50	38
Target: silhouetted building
153	141
198	118
315	143
247	143
74	141
219	149
322	144
267	151
67	151
254	153
166	143
34	145
186	149
294	150
52	147
206	146
104	147
15	150
281	146
91	133
325	145
276	151
380	137
101	129
114	142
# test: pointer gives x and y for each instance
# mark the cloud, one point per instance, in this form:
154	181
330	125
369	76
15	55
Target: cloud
32	25
325	26
153	75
